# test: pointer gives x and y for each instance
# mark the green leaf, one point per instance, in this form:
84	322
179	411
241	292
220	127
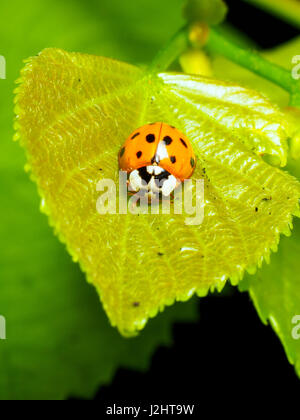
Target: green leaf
275	290
74	111
211	12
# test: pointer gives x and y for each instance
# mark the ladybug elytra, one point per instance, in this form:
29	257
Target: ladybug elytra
157	158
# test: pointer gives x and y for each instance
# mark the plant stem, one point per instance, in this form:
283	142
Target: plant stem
218	44
172	50
288	10
250	60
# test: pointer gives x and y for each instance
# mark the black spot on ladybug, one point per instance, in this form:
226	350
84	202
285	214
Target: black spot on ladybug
256	209
161	179
122	151
168	140
160	254
155	159
162	176
192	162
139	154
135	135
79	80
183	142
173	159
136	304
144	174
150	138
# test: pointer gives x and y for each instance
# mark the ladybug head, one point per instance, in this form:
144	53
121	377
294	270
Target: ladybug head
152	181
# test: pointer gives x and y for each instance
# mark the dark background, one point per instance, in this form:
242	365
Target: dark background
229	355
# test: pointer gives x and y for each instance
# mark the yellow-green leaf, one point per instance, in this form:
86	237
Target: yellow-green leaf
73	113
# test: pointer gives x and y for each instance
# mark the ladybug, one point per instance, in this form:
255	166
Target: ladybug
157	158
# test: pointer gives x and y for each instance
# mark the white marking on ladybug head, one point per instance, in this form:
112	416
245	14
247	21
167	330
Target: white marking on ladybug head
157	170
169	185
153	180
135	180
150	169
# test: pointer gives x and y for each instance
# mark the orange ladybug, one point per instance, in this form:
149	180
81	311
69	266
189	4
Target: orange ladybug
157	157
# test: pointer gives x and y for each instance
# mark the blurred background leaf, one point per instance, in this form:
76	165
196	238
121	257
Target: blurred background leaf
59	340
211	12
130	31
288	10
